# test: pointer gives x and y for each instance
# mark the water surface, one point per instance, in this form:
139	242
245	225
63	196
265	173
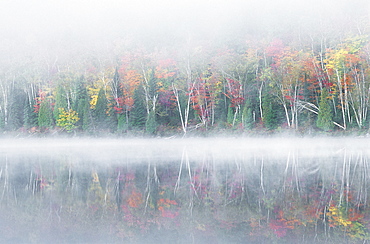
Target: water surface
220	190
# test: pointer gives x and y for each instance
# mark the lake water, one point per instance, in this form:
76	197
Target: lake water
220	190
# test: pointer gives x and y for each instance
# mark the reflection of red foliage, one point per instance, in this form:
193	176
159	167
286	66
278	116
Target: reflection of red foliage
280	225
164	205
169	214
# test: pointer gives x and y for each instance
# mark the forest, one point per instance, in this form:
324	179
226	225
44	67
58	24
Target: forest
294	80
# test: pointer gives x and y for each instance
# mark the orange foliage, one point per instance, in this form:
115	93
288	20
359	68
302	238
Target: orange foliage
131	81
162	71
135	199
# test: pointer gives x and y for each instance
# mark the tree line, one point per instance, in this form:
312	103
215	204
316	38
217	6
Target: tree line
321	85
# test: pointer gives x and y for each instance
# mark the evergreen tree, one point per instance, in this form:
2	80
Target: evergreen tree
2	120
230	115
80	93
30	117
325	117
87	117
270	118
137	115
45	117
151	123
122	125
248	119
60	101
15	108
100	112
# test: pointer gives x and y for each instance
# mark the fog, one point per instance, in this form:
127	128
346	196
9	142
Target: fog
33	25
219	149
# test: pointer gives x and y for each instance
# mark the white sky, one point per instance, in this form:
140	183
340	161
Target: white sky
43	19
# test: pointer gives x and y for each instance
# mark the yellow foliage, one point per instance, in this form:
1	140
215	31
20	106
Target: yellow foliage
93	92
337	218
67	119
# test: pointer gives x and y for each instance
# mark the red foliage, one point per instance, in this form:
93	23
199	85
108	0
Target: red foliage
235	92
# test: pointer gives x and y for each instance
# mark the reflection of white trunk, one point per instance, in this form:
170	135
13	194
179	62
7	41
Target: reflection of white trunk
148	188
193	192
177	185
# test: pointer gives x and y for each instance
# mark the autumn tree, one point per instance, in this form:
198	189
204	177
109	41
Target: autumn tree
67	119
126	99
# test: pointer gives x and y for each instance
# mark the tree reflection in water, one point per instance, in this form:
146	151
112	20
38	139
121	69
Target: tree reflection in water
184	191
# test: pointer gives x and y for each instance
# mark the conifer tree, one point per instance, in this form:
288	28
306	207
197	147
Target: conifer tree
15	110
248	120
30	117
230	115
100	112
137	115
151	123
60	101
269	114
45	118
325	117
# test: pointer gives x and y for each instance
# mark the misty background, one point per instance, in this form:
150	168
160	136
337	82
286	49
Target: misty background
29	29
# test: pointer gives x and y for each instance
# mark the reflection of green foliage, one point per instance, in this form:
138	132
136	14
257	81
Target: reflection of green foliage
358	232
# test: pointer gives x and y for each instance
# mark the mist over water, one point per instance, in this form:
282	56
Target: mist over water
219	190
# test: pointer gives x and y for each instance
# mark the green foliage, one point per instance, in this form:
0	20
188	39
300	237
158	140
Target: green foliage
85	113
2	120
248	117
151	123
137	116
15	118
79	94
60	101
100	113
325	117
230	115
270	118
45	118
30	117
122	124
67	119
